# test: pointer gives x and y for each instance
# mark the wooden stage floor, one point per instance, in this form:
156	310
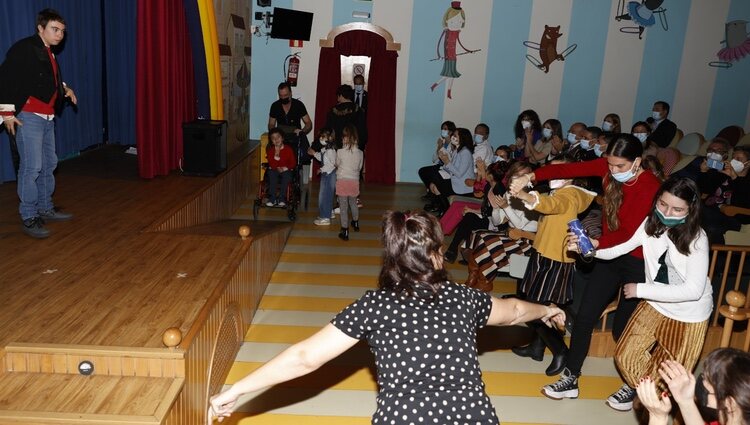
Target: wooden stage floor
100	279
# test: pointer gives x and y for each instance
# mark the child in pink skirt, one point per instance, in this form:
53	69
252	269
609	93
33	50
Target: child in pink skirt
349	161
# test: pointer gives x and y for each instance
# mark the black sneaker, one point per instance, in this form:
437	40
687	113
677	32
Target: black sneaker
55	215
565	387
34	227
622	399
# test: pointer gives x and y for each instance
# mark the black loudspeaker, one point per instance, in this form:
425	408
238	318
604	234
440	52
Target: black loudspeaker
204	147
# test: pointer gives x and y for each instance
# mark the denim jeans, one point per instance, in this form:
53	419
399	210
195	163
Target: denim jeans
325	195
276	179
36	147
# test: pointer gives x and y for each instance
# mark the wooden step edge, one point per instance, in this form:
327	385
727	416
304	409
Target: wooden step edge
95	350
169	399
54	418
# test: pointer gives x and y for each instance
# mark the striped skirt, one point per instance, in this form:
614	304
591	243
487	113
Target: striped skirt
491	250
547	280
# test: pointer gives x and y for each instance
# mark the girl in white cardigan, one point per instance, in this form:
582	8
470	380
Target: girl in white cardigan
671	321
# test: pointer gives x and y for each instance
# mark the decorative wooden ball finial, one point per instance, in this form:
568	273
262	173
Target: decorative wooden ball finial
172	337
244	232
735	299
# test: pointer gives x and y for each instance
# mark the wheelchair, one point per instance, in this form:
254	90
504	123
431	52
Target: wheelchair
294	189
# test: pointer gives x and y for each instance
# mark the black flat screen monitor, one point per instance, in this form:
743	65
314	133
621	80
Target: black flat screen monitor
291	24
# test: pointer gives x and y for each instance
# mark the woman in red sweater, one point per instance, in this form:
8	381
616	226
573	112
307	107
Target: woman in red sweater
281	163
629	191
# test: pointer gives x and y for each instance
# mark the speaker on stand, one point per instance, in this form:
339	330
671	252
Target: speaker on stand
204	147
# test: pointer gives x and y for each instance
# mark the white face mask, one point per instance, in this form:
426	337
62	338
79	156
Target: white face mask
737	166
585	144
557	183
547	133
641	136
525	124
715	156
607	126
323	142
655	115
572	137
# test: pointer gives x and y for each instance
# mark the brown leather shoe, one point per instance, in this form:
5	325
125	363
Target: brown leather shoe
483	284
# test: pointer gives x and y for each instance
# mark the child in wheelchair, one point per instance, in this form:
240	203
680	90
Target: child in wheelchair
281	165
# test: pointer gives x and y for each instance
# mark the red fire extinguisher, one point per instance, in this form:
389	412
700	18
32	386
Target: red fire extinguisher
292	69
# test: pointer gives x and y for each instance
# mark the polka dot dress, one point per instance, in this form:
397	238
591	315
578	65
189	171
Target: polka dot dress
425	354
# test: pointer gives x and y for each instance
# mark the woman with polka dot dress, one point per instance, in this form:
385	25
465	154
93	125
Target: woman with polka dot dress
420	326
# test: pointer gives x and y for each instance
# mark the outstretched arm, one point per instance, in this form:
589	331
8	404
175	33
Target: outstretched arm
512	311
297	360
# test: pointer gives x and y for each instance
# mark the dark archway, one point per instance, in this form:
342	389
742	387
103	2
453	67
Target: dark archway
364	40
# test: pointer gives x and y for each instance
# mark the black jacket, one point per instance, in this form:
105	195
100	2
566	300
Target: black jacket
664	133
27	71
347	113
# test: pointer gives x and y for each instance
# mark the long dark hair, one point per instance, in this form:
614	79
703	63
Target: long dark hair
682	234
624	146
728	371
465	139
536	125
411	241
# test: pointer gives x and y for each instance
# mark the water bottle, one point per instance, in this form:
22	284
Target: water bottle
584	243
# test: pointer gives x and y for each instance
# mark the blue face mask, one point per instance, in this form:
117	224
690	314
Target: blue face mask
571	138
625	175
358	88
607	126
478	138
498	158
656	115
443	133
641	136
585	144
547	133
598	150
670	221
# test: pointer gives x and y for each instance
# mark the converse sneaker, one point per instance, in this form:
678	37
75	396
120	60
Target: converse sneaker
270	204
622	399
320	221
281	204
565	387
55	215
34	227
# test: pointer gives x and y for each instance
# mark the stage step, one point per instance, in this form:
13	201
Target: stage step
61	398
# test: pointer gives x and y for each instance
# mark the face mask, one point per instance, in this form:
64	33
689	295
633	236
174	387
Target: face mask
670	221
715	156
323	141
478	138
443	133
556	184
709	414
498	158
547	133
358	88
641	136
655	115
598	150
572	137
454	141
585	144
286	100
625	175
525	124
737	166
607	126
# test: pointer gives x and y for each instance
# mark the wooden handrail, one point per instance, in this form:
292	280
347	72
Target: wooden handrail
732	210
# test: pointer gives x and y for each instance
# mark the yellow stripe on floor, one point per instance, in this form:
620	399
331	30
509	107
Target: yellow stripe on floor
279	333
355	243
352	377
332	305
324	279
334	227
349	260
241	418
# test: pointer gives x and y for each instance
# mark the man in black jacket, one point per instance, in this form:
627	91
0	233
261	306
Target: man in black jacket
663	129
347	112
31	93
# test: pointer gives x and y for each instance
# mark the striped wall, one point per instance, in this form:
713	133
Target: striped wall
609	71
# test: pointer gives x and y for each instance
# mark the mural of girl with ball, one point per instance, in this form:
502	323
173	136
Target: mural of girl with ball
453	20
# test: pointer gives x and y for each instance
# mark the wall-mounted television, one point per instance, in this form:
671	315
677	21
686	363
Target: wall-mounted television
291	24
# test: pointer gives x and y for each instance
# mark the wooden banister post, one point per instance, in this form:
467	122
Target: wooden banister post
733	312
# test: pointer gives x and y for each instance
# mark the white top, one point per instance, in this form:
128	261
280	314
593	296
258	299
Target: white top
348	163
484	151
328	157
519	217
688	296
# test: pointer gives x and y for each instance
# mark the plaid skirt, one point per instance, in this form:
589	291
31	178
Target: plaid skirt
547	280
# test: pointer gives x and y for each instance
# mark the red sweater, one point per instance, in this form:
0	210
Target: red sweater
637	198
286	157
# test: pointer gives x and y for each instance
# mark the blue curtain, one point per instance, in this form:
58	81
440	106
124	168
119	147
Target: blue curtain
83	68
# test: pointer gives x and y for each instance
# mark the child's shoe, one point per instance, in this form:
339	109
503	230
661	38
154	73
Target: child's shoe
320	221
355	225
344	234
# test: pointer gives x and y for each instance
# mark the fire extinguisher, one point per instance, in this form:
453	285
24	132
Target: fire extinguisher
291	69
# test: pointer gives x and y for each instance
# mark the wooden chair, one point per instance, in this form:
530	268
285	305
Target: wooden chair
744	141
731	134
677	137
734	311
737	237
517	263
690	143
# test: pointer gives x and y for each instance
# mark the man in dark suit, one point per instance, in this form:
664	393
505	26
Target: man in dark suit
360	94
663	129
347	112
32	92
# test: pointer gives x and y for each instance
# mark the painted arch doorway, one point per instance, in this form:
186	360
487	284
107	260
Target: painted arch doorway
363	39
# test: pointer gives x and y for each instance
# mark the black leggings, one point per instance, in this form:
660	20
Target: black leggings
467	224
605	281
429	174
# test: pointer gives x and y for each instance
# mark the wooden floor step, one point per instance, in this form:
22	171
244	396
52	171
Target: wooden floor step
51	398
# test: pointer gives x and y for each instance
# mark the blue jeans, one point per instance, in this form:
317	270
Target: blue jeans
325	195
276	179
36	147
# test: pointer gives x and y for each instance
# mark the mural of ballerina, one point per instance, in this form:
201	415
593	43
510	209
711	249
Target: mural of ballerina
736	44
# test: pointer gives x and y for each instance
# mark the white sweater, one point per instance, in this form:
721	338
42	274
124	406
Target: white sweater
328	157
348	163
519	217
688	296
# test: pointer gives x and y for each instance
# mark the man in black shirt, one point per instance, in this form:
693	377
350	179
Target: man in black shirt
347	112
289	114
664	129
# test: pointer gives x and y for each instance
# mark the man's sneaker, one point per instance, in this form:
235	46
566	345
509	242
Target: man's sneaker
281	204
55	215
34	227
336	210
322	221
270	204
565	387
622	399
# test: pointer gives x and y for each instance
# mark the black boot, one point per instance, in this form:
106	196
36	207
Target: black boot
344	234
554	340
535	349
355	225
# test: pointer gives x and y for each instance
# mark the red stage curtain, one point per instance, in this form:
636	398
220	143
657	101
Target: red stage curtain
164	85
381	116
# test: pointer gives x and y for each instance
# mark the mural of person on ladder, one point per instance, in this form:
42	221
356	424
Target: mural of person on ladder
642	14
453	20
